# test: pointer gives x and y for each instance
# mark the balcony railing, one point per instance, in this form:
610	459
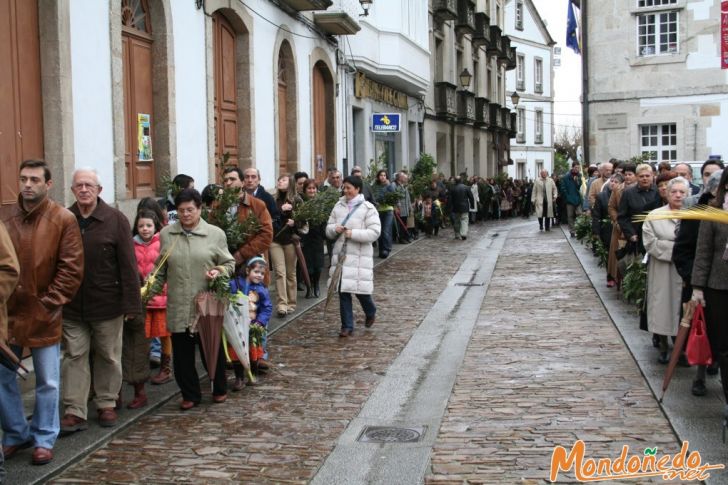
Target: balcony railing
301	5
482	112
445	101
494	47
481	36
465	23
445	9
466	107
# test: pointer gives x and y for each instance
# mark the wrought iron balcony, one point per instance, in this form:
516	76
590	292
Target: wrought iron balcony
445	9
505	48
466	107
482	112
505	119
494	116
445	101
481	36
494	47
511	63
465	23
301	5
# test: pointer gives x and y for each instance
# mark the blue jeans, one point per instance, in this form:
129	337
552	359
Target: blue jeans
347	311
385	237
44	428
155	348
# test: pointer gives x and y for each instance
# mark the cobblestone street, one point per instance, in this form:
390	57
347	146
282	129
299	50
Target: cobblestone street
544	366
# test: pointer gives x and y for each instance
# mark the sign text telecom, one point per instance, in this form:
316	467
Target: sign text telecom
385	122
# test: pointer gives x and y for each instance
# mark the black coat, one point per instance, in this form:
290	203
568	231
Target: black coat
601	223
636	201
270	204
461	199
686	242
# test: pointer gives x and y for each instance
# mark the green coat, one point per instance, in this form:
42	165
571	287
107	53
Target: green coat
193	254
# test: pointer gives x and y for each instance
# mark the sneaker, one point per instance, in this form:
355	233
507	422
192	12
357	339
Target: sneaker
698	388
72	423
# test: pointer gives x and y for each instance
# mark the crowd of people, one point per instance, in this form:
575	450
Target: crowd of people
685	258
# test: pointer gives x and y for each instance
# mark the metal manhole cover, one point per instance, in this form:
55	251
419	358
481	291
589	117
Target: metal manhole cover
391	434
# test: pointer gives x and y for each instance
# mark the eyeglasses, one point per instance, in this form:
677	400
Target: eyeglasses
81	186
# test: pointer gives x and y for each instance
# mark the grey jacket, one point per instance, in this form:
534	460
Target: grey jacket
710	270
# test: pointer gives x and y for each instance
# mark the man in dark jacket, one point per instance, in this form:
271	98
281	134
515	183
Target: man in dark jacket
251	184
570	185
460	200
109	295
48	243
640	198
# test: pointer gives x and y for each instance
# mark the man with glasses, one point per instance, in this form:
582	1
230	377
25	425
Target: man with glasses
93	321
48	244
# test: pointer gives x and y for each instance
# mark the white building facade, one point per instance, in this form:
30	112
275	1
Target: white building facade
532	150
142	89
386	76
655	83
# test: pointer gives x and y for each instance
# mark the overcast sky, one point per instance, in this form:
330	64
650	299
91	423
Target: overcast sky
567	77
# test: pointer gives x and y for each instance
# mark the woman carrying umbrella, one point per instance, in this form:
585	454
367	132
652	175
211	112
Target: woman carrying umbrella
354	223
710	283
196	252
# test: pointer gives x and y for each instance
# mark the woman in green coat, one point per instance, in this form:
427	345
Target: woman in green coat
198	253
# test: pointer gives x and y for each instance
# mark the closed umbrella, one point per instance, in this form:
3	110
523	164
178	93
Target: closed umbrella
335	277
302	261
210	315
682	337
11	361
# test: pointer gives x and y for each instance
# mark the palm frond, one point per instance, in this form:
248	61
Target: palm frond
698	212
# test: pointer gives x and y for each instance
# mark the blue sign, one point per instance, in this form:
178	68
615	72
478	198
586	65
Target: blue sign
385	122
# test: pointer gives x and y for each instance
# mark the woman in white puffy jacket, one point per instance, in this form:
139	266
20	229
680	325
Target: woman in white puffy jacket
354	222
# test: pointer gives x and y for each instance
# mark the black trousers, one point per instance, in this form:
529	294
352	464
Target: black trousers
544	215
716	309
185	371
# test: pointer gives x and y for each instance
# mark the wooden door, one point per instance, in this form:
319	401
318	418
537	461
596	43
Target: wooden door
282	128
226	101
321	157
136	42
21	109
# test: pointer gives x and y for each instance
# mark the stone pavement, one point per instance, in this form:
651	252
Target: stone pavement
545	367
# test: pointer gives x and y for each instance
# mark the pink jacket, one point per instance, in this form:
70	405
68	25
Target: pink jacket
146	254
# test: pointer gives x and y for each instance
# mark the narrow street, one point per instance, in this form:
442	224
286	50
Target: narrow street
494	350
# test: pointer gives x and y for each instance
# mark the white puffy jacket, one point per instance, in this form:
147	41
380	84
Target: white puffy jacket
358	268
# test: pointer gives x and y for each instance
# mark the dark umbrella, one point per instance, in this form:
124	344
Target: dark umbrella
302	262
10	360
677	348
336	277
401	222
210	314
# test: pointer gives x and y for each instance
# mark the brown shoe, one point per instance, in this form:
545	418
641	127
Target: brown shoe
346	332
140	397
165	372
107	417
187	405
219	399
369	321
72	423
42	456
238	386
10	450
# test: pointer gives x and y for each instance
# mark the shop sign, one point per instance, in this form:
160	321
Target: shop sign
366	88
385	122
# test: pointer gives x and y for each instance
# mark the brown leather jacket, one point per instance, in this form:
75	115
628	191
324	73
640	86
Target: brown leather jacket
9	269
48	244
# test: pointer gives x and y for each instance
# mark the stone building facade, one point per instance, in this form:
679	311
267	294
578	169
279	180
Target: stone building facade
532	150
655	83
467	125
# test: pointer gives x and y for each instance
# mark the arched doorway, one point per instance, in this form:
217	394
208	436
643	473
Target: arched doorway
21	123
324	140
287	112
137	61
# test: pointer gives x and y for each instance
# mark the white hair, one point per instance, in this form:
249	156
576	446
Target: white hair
90	170
678	180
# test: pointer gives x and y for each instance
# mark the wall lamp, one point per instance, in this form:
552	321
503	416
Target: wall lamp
365	5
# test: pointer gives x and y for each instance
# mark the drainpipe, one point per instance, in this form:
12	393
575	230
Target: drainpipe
585	82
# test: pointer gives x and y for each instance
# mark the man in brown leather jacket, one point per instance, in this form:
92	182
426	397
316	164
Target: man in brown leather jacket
48	243
93	321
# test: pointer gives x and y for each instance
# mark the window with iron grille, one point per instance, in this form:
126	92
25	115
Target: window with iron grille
519	15
520	72
659	142
657	33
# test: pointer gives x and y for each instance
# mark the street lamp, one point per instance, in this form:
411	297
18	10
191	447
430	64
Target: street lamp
515	98
366	4
465	78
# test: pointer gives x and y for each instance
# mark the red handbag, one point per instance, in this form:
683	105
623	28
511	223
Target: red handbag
698	347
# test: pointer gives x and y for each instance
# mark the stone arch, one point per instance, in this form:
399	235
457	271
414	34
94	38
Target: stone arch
241	20
323	113
286	108
163	122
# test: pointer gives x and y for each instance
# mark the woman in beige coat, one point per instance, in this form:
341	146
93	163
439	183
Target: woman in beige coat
664	285
356	222
198	253
543	198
